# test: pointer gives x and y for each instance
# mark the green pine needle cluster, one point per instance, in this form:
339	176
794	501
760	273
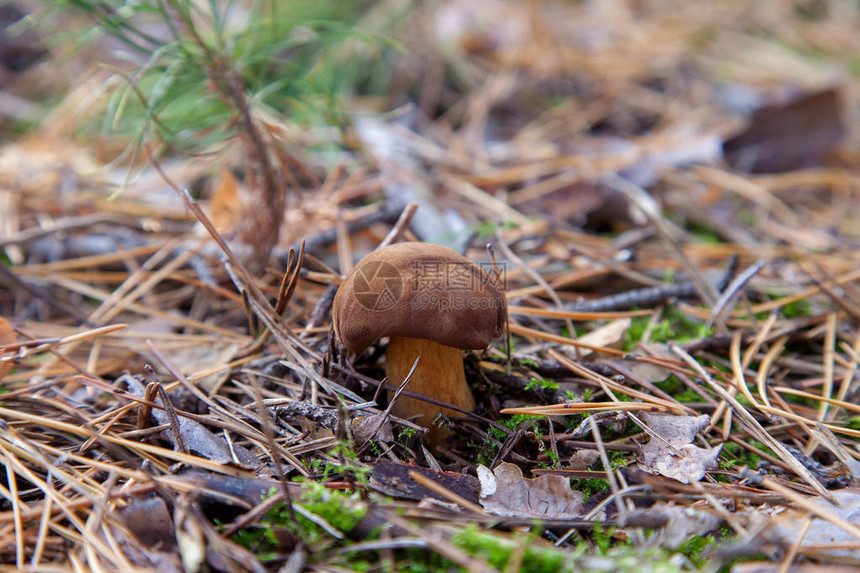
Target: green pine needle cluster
185	67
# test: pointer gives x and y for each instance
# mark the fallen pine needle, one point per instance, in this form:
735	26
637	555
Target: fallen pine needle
583	407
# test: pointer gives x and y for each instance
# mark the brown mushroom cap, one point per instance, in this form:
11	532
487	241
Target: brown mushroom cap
418	290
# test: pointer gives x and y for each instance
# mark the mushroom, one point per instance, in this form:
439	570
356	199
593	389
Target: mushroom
430	301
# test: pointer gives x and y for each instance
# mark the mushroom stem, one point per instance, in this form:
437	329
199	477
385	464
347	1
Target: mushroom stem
439	375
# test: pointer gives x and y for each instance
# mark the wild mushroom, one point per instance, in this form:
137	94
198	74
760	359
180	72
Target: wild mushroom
430	301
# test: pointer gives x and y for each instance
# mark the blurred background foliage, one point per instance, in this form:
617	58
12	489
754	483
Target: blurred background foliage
182	62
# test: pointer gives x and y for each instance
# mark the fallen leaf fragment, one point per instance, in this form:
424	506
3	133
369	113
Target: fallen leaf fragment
504	491
786	527
608	336
150	521
196	436
225	204
648	370
144	557
393	479
373	427
672	453
681	522
786	137
7	335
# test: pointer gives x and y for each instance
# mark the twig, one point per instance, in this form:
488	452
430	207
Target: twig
386	214
400	226
724	303
645	203
169	411
440	489
646	296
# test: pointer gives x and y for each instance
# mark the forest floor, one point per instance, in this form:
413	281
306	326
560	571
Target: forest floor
667	189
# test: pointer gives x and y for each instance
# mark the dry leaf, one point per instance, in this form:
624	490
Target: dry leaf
393	479
613	421
196	436
150	521
786	137
582	459
786	526
147	558
225	205
7	335
672	454
373	427
608	336
647	370
505	491
681	522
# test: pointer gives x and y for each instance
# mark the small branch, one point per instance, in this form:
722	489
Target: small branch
400	226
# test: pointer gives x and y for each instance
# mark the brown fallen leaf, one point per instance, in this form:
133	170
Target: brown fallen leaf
393	479
787	137
7	335
614	421
150	522
196	436
225	205
582	459
786	526
373	427
671	453
504	491
144	557
681	523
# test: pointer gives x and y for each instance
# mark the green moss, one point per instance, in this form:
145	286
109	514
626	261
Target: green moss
406	434
541	383
496	551
589	487
424	561
735	454
517	421
537	557
797	309
675	327
487	229
705	234
348	463
341	510
675	387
